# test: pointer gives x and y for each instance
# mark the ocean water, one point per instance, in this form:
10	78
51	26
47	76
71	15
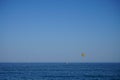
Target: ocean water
59	71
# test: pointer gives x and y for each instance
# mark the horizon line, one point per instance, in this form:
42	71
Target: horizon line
60	62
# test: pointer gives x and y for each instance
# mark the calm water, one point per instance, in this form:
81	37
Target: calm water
59	71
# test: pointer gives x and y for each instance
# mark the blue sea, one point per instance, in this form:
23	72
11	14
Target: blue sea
59	71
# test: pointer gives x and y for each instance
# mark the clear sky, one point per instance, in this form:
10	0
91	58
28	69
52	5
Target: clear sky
59	30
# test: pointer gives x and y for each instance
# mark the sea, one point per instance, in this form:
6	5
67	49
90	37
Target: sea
59	71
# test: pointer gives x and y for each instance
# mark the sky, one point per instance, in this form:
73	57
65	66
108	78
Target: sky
59	30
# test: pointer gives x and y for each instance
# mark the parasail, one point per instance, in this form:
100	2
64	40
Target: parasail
83	54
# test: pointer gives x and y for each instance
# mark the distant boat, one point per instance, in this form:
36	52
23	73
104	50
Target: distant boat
67	62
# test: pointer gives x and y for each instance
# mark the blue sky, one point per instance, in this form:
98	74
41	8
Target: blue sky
59	30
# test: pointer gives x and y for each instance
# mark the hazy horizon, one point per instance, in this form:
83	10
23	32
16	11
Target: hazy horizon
59	30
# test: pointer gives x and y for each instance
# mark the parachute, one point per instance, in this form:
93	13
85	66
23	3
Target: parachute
83	54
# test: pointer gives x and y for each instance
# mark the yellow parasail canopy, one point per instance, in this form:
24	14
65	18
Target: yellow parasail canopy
83	54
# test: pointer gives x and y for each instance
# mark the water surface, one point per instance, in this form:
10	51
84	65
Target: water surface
59	71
